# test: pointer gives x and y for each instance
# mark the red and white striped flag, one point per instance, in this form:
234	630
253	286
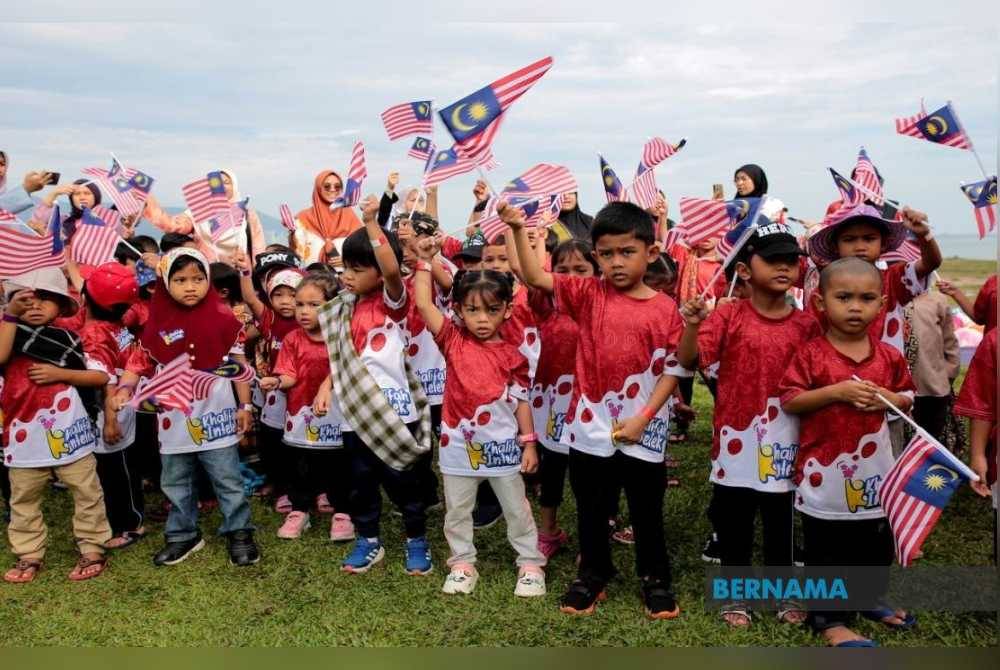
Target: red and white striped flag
7	217
867	178
674	236
24	252
96	237
356	174
171	387
206	197
447	164
704	219
644	188
287	220
542	179
421	149
128	188
654	152
657	150
907	252
408	118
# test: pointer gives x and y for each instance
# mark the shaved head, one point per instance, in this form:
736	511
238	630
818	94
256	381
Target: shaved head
851	266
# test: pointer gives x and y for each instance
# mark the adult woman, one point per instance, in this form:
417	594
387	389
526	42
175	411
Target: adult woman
246	236
572	225
319	228
82	194
751	182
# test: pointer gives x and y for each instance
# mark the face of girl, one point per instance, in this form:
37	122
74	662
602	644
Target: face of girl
227	183
574	264
360	280
495	258
331	188
42	309
308	299
744	184
411	200
569	202
283	301
482	315
82	197
189	285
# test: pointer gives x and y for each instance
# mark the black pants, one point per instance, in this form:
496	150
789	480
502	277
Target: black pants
274	459
931	413
148	445
121	478
428	478
593	489
862	542
552	472
735	512
5	484
686	386
316	471
368	475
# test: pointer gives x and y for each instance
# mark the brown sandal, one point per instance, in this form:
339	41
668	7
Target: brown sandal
22	566
78	574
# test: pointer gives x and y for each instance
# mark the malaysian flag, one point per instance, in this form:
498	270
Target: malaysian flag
24	252
287	220
356	174
674	236
446	164
867	178
97	237
170	388
983	196
475	119
704	219
422	149
745	212
658	150
644	186
231	371
916	490
206	197
128	188
408	118
848	194
941	127
542	179
55	230
8	217
907	252
613	188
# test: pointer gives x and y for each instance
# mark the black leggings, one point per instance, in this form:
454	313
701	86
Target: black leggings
316	471
552	473
120	474
735	513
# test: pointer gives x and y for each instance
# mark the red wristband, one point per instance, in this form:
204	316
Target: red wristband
424	266
524	439
647	412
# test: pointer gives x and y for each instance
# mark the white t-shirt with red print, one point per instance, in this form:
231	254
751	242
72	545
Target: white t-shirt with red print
625	345
379	334
486	381
552	389
522	331
112	345
422	353
308	362
754	442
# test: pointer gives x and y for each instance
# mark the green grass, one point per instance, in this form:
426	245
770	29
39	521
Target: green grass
297	596
967	274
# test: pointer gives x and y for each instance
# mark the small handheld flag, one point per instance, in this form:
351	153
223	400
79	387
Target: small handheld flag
408	118
447	163
55	230
654	152
128	188
983	196
171	387
24	252
867	177
525	191
96	239
206	197
613	188
940	126
286	218
356	174
421	149
848	194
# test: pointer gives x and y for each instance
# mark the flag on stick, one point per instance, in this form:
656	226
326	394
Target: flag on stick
983	196
940	126
206	197
97	237
287	220
24	252
422	148
613	188
356	174
171	387
867	177
408	118
447	163
644	186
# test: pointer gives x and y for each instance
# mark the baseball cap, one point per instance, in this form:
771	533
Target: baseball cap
290	277
270	260
472	247
44	279
771	240
112	284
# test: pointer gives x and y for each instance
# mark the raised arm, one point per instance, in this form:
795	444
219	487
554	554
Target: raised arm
533	274
247	289
182	223
423	289
959	297
392	277
930	253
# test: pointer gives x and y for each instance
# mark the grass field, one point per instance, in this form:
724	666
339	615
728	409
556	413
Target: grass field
297	596
967	275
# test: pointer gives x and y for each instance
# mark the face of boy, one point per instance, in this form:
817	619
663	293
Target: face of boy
623	259
772	275
861	240
495	258
283	301
40	309
851	302
188	286
308	300
360	280
483	317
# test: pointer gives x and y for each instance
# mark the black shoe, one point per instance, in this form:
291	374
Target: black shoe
242	549
175	552
659	600
712	552
485	516
581	597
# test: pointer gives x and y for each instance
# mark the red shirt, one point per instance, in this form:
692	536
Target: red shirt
136	316
273	329
984	310
978	397
478	426
752	352
307	361
553	385
625	344
521	330
844	453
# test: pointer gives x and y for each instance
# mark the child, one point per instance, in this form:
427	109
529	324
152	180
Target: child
617	421
936	364
386	421
187	317
984	310
754	442
47	425
844	444
487	433
314	445
553	389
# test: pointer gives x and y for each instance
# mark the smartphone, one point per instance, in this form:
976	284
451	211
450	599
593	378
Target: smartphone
717	192
53	178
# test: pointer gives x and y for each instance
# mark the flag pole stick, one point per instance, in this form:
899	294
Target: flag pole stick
732	286
894	203
924	434
972	148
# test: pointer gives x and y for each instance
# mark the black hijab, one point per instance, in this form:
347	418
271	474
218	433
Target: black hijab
576	222
757	176
69	224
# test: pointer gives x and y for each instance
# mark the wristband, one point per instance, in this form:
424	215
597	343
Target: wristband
245	273
647	412
424	266
378	242
10	318
524	439
127	387
247	407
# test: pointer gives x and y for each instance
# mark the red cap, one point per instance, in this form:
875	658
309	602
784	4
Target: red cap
112	284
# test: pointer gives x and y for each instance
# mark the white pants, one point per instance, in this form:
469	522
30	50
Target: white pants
460	498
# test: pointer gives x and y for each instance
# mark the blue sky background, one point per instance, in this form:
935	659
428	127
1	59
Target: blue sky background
277	101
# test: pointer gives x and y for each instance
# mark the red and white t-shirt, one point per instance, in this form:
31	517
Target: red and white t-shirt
486	380
273	329
625	345
111	345
422	353
552	390
308	362
844	453
754	441
978	397
377	328
984	310
521	330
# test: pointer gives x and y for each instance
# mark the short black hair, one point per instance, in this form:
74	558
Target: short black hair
487	283
144	243
324	281
225	276
622	218
278	247
849	266
114	314
173	240
358	250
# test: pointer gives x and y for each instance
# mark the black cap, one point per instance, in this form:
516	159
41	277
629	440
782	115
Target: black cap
270	260
771	240
472	247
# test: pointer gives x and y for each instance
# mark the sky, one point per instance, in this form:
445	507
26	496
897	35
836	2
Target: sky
277	99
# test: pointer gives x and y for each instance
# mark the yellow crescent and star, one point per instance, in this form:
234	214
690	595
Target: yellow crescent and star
936	125
215	182
422	109
935	481
477	112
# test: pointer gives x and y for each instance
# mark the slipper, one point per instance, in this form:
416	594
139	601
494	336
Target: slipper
787	608
739	611
879	614
77	574
673	481
130	537
677	438
856	643
21	566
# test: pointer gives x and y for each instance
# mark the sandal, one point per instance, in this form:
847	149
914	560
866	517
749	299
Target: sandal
79	572
790	611
677	438
728	615
673	481
128	538
880	614
16	575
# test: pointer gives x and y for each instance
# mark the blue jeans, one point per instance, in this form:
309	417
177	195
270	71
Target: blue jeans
178	483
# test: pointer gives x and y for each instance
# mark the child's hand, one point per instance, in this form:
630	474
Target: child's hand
128	222
659	207
20	302
724	301
916	222
630	430
859	394
427	249
978	465
392	182
684	412
151	261
43	373
369	208
481	191
695	311
120	399
512	216
244	421
269	383
242	261
947	288
321	404
529	458
112	433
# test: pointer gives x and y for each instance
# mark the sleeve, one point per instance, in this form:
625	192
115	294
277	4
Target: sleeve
140	363
520	380
396	309
266	322
798	377
287	363
385	207
99	353
451	247
712	335
16	200
675	329
901	381
902	284
984	300
978	397
182	223
574	295
951	348
540	304
445	336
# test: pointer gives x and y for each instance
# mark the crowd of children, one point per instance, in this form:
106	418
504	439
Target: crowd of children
380	346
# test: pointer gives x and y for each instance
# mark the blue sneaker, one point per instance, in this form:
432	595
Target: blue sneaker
418	556
364	555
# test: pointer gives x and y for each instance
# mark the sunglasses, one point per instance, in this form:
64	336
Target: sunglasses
333	187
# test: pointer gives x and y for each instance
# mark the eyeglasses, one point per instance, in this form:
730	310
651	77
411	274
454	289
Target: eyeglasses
333	187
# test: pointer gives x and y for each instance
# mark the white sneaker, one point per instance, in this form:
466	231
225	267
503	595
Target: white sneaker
461	579
530	583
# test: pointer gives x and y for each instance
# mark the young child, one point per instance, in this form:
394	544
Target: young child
487	432
750	342
314	444
626	369
845	450
553	389
48	428
984	309
187	317
386	419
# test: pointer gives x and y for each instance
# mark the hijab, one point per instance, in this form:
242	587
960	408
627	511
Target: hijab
757	176
75	214
577	223
206	331
325	222
3	179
